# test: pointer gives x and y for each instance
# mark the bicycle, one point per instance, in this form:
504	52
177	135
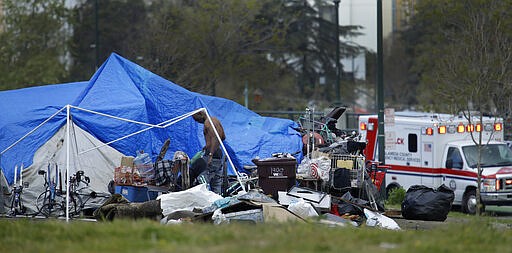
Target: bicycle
17	206
51	203
308	124
76	194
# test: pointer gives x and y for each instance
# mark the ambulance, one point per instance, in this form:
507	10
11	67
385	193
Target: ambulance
434	149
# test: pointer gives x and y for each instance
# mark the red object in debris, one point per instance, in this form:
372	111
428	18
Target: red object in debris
319	140
377	172
378	178
334	209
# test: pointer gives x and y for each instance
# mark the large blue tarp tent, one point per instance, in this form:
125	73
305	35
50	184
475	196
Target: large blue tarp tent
124	89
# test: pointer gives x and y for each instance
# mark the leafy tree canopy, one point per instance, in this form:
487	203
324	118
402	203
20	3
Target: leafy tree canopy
33	43
214	47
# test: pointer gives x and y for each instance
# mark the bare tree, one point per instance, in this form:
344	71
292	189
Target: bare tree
471	68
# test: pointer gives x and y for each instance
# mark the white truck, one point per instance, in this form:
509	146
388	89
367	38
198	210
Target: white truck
433	149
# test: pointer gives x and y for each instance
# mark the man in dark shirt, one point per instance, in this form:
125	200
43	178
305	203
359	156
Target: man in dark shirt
212	152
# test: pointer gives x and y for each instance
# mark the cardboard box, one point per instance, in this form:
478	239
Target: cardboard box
127	161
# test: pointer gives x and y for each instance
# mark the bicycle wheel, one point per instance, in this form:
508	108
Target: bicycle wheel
72	204
42	199
52	209
75	204
48	208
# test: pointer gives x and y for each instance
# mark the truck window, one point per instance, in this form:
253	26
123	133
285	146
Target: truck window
492	155
454	159
413	143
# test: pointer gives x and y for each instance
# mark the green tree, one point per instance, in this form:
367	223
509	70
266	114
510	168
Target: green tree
33	44
215	46
400	92
311	47
119	24
462	53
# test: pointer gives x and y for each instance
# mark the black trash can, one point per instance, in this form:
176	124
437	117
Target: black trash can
276	174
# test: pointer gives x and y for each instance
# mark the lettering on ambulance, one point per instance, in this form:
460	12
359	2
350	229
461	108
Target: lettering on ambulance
406	163
404	158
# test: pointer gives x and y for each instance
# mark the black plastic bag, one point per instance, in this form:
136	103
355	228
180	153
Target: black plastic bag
424	203
352	205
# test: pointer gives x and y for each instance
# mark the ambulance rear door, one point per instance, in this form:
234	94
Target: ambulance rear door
429	177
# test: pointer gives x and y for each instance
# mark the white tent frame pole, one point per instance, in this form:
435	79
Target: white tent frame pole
180	118
115	117
224	149
33	130
68	140
167	124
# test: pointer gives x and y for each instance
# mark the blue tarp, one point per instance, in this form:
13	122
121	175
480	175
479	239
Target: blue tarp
125	89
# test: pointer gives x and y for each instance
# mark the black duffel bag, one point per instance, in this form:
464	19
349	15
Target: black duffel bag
424	203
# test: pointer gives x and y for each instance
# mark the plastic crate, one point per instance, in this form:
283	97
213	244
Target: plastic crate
136	193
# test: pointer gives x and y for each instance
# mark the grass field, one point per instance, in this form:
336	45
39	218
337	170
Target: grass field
475	234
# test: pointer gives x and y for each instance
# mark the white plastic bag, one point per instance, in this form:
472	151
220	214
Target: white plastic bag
323	167
374	219
302	208
198	196
304	167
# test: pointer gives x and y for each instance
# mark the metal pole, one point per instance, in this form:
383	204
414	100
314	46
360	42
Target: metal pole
96	35
246	94
380	84
238	176
338	67
67	160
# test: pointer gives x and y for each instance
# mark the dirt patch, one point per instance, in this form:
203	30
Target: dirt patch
420	224
425	225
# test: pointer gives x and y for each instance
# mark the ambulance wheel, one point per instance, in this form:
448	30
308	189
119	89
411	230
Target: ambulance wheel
469	202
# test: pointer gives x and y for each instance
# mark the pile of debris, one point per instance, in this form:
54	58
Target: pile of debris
198	204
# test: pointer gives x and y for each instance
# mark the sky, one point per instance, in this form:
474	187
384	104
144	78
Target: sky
364	13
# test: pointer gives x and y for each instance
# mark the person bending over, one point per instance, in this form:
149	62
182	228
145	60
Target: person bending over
212	175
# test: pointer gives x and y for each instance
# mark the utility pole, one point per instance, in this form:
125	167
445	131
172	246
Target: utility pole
338	67
380	84
96	35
